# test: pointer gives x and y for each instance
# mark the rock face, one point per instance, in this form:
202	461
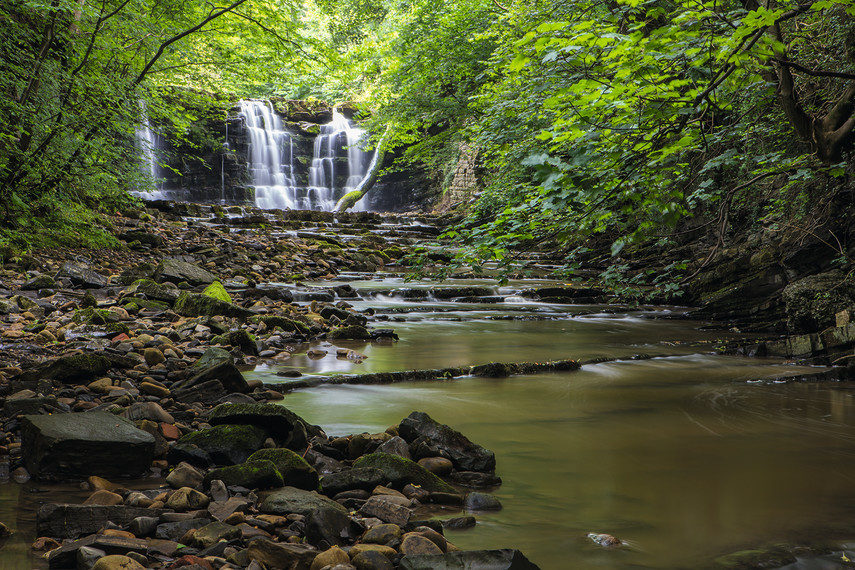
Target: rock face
811	302
465	455
65	446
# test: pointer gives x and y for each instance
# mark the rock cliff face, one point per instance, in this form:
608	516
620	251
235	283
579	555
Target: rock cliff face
210	161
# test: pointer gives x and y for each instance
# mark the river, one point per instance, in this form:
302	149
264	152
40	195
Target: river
686	456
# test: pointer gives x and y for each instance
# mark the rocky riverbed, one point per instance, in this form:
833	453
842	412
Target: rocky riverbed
120	364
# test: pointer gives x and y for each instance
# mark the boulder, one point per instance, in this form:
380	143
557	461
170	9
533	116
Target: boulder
76	369
481	502
198	305
81	276
175	530
278	420
66	556
212	533
63	446
71	521
351	332
401	471
359	478
416	544
185	475
117	562
41	281
465	455
330	557
211	383
296	472
187	499
505	559
385	510
253	474
372	560
151	290
289	500
329	525
175	271
227	444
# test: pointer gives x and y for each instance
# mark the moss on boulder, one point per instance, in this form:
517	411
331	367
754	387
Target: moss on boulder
401	471
217	291
198	305
227	444
253	474
354	332
295	470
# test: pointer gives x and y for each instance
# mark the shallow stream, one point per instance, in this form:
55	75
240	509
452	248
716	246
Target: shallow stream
686	455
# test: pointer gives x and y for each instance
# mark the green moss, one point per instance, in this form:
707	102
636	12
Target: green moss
93	316
254	474
355	332
295	470
402	471
286	324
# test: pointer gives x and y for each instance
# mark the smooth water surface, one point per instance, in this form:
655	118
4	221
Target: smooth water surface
686	456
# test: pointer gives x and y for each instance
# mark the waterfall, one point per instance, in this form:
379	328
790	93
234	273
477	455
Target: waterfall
148	145
271	159
335	137
338	163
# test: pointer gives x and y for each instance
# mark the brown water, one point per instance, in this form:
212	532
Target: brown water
687	456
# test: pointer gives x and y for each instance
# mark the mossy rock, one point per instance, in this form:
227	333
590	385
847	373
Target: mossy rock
227	444
70	369
148	304
278	420
401	471
197	305
93	316
354	332
242	340
289	500
295	470
393	252
152	290
286	324
217	291
253	474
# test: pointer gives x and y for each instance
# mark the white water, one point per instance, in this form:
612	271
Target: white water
148	144
271	158
273	168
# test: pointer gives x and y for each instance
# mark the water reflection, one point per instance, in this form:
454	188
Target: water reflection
680	456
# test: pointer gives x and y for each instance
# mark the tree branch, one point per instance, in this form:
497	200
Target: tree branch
184	34
812	72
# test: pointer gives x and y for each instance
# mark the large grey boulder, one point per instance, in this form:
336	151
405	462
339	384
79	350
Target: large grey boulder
199	305
289	500
226	444
81	276
71	446
505	559
465	455
75	368
176	271
215	376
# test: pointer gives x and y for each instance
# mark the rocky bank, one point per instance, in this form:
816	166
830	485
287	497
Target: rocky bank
127	364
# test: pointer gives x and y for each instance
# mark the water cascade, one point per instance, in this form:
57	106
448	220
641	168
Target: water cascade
148	144
335	137
338	163
271	159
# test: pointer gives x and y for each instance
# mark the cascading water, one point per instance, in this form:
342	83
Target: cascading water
273	168
271	159
328	145
148	144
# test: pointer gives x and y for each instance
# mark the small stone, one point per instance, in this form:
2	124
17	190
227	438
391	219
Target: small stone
103	497
153	356
330	557
481	502
414	543
45	544
604	540
187	499
185	475
437	465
